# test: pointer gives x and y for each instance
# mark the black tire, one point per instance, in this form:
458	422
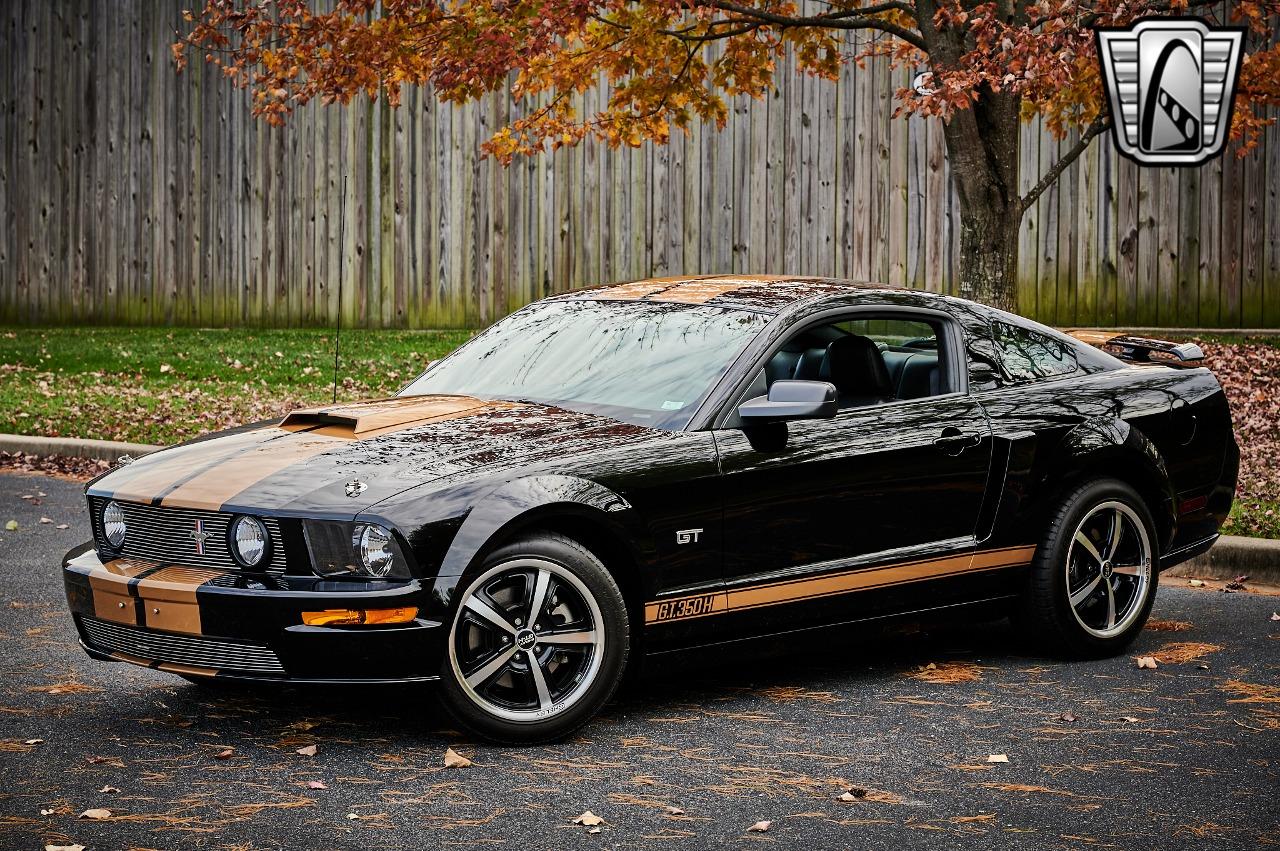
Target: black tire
507	701
1046	614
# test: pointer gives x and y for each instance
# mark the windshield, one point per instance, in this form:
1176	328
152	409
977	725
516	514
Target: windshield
642	362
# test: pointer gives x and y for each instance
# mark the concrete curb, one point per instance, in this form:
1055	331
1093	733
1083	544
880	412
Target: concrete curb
1232	556
72	447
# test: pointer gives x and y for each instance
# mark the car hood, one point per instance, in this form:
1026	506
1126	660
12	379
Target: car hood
337	461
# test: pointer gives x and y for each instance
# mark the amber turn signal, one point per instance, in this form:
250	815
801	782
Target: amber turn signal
349	617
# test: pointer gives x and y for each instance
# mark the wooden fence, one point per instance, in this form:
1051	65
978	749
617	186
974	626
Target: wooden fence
130	194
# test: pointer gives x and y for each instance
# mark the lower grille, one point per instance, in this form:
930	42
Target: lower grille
221	653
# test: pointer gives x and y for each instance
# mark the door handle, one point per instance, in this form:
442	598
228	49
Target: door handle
953	441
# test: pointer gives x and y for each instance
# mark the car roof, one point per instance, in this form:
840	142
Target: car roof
764	293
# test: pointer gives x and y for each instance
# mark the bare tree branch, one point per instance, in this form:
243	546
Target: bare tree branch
827	20
1097	127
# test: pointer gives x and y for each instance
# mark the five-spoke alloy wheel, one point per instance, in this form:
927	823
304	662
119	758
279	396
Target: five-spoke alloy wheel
1093	580
538	641
1108	569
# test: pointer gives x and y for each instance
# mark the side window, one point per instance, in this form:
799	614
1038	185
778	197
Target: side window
869	360
1030	356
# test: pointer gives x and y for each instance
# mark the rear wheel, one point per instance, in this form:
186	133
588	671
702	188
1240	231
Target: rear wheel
538	644
1093	581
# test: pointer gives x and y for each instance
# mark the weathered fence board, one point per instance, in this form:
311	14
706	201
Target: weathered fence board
131	194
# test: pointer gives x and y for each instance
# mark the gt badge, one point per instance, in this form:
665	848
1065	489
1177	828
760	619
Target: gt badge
1170	85
355	487
689	607
688	536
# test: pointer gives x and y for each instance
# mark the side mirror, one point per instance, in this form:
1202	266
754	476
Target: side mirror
791	400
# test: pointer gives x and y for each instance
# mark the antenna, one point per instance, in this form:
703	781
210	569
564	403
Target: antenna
342	254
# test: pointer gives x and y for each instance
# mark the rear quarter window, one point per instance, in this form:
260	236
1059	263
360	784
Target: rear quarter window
1027	355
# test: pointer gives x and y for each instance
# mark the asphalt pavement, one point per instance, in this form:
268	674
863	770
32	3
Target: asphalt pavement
846	740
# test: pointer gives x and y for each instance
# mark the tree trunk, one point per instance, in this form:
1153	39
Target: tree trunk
989	255
983	147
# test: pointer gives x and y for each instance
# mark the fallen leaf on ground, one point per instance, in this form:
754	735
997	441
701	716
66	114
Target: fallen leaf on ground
1130	719
108	790
1067	717
1196	583
1168	626
309	750
997	757
674	811
164	367
588	819
64	848
316	784
224	754
1181	652
947	673
1275	616
878	796
96	814
453	759
34	742
113	761
46	519
11	526
760	827
1147	662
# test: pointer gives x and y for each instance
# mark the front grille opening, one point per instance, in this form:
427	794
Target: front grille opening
169	536
224	654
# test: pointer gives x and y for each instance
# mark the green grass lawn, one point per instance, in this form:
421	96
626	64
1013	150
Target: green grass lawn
161	385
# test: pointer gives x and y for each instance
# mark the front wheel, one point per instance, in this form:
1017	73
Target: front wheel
1093	581
538	643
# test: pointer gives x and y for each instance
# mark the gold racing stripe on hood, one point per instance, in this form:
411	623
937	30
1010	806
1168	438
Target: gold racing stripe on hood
370	419
148	478
215	487
313	431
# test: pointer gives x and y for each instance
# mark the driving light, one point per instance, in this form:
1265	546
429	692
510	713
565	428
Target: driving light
113	525
374	543
350	617
249	541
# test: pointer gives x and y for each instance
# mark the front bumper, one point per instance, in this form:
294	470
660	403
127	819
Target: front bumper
228	624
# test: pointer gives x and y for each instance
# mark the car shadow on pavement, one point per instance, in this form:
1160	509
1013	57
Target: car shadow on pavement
846	659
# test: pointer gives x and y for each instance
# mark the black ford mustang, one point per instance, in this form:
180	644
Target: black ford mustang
657	465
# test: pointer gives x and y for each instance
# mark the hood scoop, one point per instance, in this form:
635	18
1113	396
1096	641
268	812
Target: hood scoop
369	419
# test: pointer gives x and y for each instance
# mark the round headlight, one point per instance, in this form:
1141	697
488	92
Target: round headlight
376	551
113	525
249	541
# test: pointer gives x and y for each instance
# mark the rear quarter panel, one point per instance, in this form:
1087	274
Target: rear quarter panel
1169	427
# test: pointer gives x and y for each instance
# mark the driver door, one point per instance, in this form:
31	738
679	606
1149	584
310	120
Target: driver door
853	513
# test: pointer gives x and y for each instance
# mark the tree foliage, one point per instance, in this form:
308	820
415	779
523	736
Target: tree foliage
657	57
988	65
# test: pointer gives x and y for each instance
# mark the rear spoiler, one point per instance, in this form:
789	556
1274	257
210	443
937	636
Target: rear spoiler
1141	349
